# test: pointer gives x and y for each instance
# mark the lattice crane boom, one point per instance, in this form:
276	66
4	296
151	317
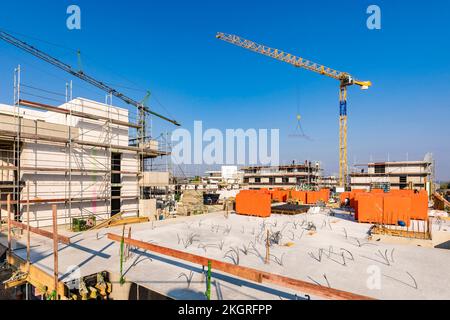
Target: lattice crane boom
79	74
344	78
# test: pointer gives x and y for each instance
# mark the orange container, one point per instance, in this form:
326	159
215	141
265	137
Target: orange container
280	195
354	202
343	196
377	191
312	197
353	194
396	208
325	195
369	208
254	203
390	208
419	205
397	192
299	195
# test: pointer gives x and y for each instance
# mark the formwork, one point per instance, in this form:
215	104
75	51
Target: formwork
280	195
253	203
299	196
403	214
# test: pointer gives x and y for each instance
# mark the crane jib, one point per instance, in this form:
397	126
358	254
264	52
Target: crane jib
79	74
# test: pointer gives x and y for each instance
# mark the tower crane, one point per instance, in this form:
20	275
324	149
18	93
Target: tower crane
143	110
345	80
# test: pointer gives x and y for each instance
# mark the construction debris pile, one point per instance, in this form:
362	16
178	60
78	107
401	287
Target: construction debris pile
192	203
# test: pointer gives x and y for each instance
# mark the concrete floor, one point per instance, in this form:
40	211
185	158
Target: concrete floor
348	261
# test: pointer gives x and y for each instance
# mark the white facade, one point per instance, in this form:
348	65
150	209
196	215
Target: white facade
82	174
229	172
229	175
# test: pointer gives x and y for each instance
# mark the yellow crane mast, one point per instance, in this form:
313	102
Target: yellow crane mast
344	79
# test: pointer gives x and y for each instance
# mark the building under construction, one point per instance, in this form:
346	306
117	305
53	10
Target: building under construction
394	175
283	176
76	155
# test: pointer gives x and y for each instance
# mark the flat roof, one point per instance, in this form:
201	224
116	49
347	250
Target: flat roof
393	163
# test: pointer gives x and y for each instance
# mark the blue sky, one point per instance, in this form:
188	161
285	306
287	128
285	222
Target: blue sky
170	48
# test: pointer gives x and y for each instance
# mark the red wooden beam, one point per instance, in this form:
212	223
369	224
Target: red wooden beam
44	233
245	272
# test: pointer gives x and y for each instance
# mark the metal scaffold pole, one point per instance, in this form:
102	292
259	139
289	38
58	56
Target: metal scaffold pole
67	157
17	161
109	163
70	152
141	140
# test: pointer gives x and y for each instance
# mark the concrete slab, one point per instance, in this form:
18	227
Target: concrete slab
337	254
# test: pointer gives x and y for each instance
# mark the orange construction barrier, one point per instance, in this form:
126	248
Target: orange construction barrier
419	205
299	195
312	197
280	195
398	192
343	196
254	203
395	209
325	195
388	208
354	202
353	194
369	208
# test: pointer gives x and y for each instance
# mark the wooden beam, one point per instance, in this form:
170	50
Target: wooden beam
28	227
55	249
41	232
245	272
8	211
128	220
105	223
15	283
36	276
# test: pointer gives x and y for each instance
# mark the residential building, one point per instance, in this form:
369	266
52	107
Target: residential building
76	156
284	176
393	175
329	182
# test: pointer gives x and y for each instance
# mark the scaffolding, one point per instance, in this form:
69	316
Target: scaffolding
95	172
394	175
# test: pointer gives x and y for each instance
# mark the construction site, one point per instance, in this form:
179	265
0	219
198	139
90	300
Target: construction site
87	215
